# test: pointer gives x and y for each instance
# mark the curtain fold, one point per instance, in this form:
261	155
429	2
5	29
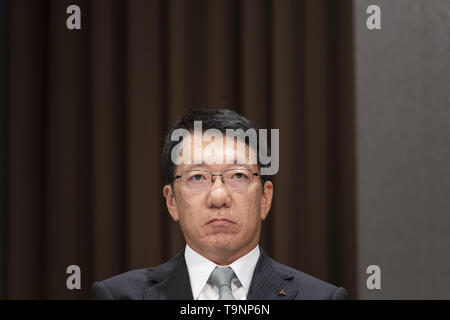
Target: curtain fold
88	109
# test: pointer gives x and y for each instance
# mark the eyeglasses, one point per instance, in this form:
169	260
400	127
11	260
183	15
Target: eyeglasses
238	180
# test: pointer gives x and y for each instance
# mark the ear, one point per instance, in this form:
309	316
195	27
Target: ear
171	202
266	199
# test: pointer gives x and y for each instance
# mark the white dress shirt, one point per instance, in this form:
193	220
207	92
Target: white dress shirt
200	268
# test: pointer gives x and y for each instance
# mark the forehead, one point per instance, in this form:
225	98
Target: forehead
214	154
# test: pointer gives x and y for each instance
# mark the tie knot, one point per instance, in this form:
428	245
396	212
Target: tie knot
221	276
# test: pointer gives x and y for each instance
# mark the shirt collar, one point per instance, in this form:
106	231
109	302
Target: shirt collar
245	266
200	268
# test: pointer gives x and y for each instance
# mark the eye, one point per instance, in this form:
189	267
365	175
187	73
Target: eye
197	177
239	176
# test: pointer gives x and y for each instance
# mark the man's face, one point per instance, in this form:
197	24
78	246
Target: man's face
219	223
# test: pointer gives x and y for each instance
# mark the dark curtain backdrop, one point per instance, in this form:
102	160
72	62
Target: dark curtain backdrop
84	113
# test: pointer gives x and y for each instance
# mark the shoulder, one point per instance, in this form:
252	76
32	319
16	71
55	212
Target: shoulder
131	284
309	287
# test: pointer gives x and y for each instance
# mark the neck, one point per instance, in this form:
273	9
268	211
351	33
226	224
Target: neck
222	256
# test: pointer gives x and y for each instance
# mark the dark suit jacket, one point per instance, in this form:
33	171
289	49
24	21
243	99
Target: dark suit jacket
171	281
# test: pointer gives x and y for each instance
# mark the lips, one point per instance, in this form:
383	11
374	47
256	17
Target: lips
220	221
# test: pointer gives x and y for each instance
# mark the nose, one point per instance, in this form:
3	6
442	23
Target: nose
219	195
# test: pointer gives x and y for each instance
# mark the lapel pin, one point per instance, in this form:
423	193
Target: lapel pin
281	293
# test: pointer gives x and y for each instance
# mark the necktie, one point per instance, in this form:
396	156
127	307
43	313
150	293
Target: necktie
221	277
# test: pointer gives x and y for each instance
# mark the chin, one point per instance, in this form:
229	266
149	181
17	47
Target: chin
223	242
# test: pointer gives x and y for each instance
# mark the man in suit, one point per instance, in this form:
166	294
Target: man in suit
220	206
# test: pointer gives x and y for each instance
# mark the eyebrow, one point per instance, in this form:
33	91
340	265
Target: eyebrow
205	166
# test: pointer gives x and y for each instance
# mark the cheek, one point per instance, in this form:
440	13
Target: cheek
189	208
249	208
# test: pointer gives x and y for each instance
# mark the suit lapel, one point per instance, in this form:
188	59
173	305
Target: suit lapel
268	284
171	285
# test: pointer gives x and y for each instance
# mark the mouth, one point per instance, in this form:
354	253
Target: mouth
220	221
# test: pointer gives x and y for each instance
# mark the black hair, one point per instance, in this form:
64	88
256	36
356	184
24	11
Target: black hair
221	119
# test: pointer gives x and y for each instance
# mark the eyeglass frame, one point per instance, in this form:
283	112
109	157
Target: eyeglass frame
254	174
